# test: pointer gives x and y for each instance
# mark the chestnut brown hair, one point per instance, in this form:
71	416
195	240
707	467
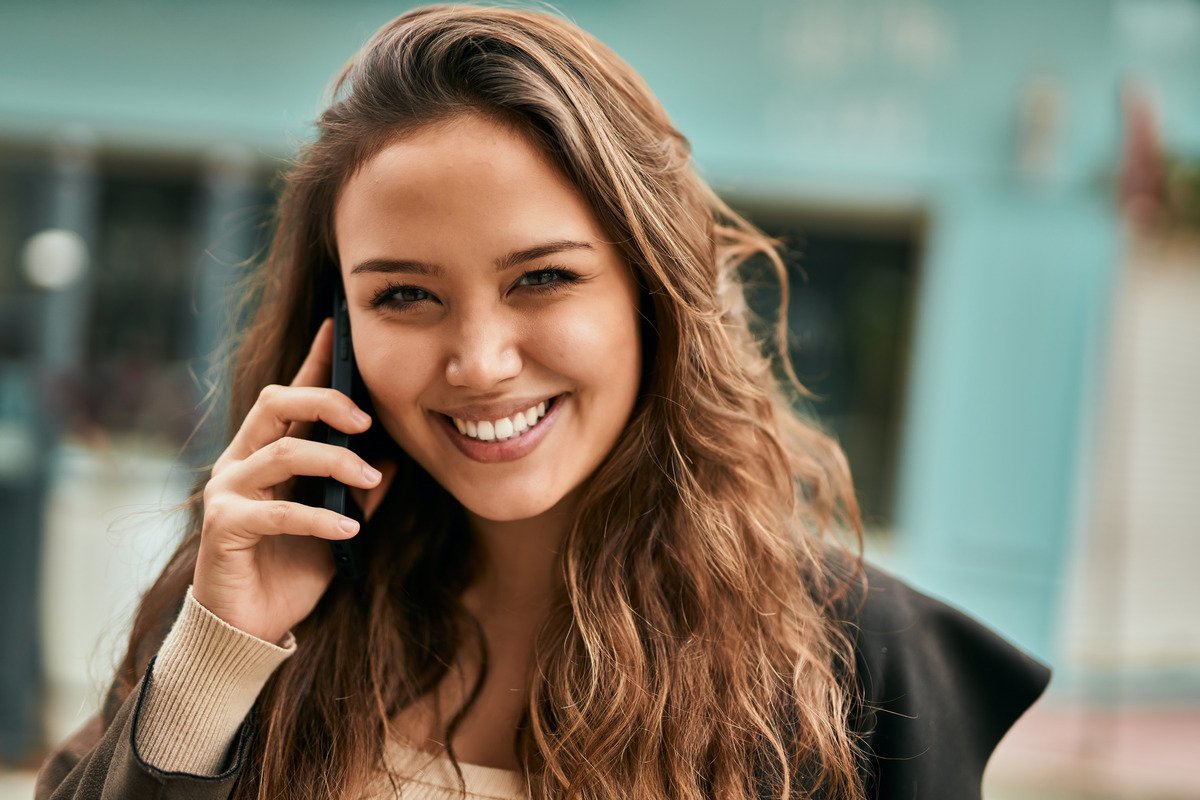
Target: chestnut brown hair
695	652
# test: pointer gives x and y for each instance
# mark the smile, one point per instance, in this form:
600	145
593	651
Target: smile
507	438
504	428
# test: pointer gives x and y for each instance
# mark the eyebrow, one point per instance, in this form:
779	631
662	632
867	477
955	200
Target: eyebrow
539	251
505	262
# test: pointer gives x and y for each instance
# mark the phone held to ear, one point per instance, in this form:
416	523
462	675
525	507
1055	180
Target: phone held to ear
346	555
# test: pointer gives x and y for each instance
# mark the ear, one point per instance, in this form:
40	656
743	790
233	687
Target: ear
369	499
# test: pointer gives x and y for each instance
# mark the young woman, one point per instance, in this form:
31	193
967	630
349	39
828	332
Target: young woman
601	550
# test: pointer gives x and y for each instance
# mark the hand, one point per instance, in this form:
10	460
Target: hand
264	561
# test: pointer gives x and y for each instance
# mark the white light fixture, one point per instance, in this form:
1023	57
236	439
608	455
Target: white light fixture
55	258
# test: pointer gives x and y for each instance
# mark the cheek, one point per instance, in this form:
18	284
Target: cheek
600	348
394	378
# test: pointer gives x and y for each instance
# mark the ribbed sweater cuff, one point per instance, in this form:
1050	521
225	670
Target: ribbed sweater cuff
206	678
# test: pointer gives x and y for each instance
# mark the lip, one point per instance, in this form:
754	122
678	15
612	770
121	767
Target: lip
481	412
509	449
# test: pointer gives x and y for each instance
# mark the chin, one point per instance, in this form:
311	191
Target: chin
507	511
510	507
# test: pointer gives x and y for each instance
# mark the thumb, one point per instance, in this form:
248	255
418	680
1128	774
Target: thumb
369	499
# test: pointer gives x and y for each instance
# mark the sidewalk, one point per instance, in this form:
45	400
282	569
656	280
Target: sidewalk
16	785
1095	754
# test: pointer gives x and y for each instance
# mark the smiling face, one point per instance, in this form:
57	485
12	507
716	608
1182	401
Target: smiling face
495	325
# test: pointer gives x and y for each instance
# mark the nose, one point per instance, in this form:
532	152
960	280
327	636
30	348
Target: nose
485	352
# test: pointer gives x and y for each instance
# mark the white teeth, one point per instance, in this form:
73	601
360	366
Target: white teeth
501	429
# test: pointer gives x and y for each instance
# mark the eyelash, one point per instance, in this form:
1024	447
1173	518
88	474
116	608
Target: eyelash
386	296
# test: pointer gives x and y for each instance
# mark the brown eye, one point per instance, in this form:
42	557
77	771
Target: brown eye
548	278
539	278
410	294
400	297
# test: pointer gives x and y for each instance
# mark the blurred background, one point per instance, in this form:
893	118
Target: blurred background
992	213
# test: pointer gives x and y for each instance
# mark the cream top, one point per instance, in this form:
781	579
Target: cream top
206	678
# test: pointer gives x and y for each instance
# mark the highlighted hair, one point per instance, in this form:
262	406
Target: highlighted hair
695	652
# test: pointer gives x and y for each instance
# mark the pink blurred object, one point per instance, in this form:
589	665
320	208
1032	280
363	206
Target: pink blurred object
1103	753
1142	188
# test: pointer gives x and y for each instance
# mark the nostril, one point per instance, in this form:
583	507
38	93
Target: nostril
483	369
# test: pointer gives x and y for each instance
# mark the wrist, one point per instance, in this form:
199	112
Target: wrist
228	615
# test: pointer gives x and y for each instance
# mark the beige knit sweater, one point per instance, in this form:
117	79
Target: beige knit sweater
208	675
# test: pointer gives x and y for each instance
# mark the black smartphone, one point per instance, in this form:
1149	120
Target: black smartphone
344	378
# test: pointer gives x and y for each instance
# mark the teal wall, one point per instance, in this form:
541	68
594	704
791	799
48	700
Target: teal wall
899	104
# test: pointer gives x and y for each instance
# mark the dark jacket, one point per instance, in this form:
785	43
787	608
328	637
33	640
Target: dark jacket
938	692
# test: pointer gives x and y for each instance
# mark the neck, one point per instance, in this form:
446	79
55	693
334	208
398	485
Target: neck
520	576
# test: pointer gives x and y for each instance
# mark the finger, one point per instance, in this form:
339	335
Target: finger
285	458
279	407
369	499
316	370
318	364
250	520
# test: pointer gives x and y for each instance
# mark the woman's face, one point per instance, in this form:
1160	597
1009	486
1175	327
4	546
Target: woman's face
495	326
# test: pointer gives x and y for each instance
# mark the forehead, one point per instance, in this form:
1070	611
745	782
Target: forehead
477	174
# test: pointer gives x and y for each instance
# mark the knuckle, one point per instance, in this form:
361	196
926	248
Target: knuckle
284	447
212	493
269	392
216	511
279	512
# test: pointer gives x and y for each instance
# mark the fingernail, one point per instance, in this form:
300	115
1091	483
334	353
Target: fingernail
361	417
348	525
371	474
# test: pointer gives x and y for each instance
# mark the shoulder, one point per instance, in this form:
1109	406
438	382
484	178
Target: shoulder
937	689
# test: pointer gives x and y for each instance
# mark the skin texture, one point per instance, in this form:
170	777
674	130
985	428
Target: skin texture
430	225
479	283
468	339
262	564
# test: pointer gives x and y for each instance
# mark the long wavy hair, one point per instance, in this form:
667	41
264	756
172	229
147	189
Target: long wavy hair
695	651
